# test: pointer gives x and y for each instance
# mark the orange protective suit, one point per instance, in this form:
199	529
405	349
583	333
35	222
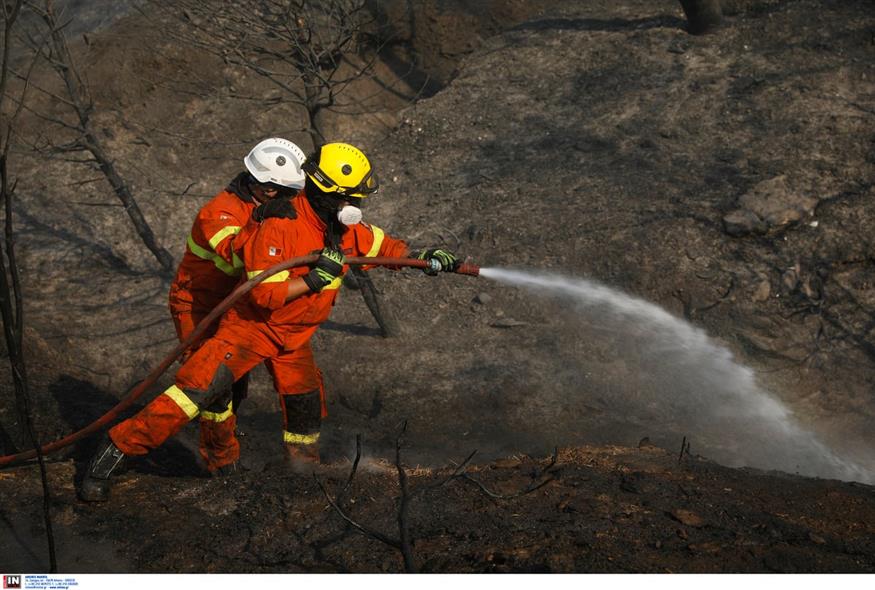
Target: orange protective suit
210	269
260	328
208	273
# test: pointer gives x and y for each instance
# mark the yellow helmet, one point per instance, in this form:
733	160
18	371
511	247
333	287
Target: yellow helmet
343	169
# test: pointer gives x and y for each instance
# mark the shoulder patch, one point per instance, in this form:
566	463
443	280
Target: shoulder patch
274	251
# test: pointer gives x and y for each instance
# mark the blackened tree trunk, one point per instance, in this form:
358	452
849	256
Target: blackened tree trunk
703	16
11	302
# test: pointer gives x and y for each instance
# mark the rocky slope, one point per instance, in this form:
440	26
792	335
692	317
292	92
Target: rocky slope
724	178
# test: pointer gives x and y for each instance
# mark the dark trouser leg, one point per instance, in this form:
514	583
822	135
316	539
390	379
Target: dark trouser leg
302	422
299	384
239	392
219	446
218	441
203	384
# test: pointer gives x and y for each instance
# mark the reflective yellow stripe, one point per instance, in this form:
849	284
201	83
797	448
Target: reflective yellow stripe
222	234
183	401
279	277
217	417
235	260
212	257
378	241
299	439
333	285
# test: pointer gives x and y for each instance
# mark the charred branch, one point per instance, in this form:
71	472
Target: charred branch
538	482
457	472
124	194
404	506
309	50
355	465
11	301
390	541
402	543
79	102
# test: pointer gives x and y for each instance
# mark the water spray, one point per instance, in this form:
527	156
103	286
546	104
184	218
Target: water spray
694	381
759	430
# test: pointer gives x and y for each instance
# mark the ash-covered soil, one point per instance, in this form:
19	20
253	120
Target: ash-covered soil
725	178
595	509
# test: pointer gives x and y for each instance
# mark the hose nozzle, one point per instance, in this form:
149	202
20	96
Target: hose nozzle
468	269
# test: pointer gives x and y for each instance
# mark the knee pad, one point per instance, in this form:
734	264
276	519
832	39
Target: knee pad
217	395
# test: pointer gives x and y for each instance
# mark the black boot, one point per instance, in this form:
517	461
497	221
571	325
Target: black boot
229	470
106	461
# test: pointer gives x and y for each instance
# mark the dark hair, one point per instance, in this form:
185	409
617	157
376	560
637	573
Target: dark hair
281	191
312	189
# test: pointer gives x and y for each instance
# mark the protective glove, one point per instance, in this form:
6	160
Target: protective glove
278	207
328	267
439	260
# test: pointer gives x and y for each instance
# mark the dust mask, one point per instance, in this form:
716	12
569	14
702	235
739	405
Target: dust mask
349	215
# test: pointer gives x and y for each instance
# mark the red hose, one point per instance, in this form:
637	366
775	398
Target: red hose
195	336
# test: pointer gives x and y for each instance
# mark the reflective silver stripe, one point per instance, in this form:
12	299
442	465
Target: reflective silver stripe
224	233
279	277
212	257
378	241
217	417
182	400
299	439
110	458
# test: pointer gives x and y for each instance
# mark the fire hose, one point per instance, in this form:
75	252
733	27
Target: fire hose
197	334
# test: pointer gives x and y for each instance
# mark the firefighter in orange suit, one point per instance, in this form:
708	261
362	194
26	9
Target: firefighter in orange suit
275	322
210	269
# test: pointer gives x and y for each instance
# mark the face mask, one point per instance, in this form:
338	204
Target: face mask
349	215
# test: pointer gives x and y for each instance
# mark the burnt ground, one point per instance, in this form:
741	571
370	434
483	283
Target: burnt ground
600	509
725	178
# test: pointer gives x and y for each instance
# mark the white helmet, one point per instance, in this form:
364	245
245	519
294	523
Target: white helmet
278	161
